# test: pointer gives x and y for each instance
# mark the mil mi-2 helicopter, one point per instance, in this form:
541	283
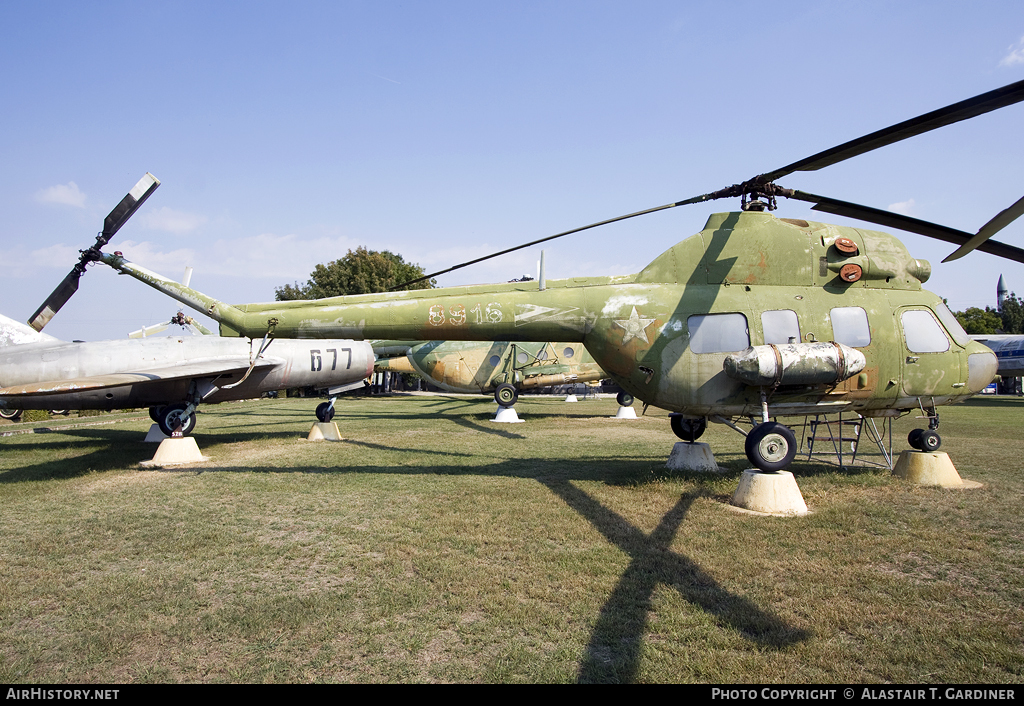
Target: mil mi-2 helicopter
755	316
493	366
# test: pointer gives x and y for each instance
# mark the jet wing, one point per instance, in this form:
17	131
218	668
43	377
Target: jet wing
192	369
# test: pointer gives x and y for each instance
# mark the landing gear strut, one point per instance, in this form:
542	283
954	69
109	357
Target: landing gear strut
926	439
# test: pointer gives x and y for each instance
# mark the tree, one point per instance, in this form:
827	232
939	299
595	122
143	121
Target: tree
979	321
360	272
1012	314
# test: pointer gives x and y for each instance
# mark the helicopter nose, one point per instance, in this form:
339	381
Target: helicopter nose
982	366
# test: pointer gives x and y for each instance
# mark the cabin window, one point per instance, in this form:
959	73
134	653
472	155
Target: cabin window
923	333
780	326
543	355
718	333
568	352
850	326
951	324
522	357
494	360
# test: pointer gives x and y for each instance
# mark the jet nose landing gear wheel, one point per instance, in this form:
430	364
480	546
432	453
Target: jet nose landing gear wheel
170	419
771	446
506	394
324	412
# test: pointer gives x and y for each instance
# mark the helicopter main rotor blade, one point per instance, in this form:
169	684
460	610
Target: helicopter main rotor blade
111	224
914	225
965	109
696	199
1002	219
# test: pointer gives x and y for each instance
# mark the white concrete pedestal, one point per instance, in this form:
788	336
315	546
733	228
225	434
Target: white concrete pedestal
692	457
930	468
154	435
626	413
507	415
571	398
324	431
773	493
175	451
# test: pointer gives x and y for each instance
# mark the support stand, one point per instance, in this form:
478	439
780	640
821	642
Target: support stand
175	451
155	436
932	468
696	457
324	431
626	413
773	493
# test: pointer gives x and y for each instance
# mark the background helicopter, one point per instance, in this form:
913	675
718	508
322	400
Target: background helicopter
497	367
754	315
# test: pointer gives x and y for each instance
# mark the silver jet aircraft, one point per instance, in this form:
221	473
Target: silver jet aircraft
170	375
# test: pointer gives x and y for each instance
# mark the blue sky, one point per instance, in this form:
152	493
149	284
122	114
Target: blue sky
287	133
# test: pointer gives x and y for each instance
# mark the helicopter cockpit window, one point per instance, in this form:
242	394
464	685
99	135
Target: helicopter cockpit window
952	325
923	333
850	326
780	326
718	333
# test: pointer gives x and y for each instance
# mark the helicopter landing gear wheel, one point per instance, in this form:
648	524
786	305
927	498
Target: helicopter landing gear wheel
155	412
170	419
324	412
926	440
624	399
506	394
771	446
11	414
688	429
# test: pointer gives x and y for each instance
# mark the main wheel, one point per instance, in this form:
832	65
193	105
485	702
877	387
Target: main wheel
771	446
155	412
170	419
624	399
688	429
914	439
12	414
506	394
324	412
930	440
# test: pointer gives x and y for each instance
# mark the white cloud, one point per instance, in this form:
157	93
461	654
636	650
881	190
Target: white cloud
905	207
67	194
1015	56
171	221
149	255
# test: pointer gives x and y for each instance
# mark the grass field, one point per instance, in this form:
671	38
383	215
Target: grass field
433	545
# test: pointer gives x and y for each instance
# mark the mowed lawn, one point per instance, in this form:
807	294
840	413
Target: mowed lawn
434	545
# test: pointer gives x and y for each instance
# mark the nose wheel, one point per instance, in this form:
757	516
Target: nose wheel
171	417
924	440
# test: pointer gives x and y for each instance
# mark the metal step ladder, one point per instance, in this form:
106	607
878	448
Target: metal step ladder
834	436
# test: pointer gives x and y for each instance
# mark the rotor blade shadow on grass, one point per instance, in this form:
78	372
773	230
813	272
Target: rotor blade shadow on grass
613	654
